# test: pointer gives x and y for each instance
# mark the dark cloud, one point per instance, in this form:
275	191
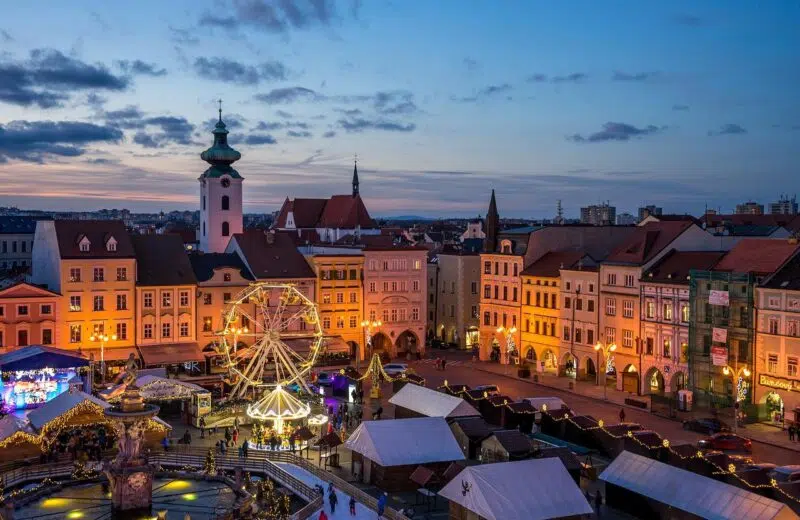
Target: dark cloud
471	64
639	76
183	36
728	129
48	78
394	102
139	67
284	114
36	141
5	36
295	133
275	16
329	134
575	77
688	20
360	125
96	101
277	125
144	139
537	78
350	112
484	93
616	132
153	132
102	160
124	115
257	139
286	95
680	108
231	71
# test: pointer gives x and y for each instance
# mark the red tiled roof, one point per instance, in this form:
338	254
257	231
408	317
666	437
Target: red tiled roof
340	211
674	267
647	241
70	232
757	255
306	212
550	263
277	259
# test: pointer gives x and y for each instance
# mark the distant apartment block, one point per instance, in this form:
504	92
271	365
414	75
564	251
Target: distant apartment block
648	211
784	206
750	208
599	215
626	219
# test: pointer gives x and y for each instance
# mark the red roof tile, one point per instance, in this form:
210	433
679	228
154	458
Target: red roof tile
274	256
550	264
647	241
340	211
757	256
674	267
306	212
71	232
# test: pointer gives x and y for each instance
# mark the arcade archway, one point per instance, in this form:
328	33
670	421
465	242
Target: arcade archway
406	343
654	381
550	361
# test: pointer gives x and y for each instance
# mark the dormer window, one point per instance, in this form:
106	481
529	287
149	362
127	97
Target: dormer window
505	247
111	244
84	245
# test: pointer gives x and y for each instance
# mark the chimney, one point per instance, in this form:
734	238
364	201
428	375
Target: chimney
270	236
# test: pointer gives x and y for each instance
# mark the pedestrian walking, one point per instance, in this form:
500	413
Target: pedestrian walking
330	487
236	423
235	435
379	412
227	436
322	515
444	363
352	506
333	500
622	415
202	427
382	504
598	502
792	431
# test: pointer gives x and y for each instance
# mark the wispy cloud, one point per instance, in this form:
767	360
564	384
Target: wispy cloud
286	95
487	92
616	132
574	77
680	108
139	67
688	20
360	124
728	129
275	16
37	141
236	72
638	76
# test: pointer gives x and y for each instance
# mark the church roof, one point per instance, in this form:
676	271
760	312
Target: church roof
272	255
338	212
306	212
162	260
220	156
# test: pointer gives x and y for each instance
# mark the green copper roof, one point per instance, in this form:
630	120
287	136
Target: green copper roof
220	156
218	170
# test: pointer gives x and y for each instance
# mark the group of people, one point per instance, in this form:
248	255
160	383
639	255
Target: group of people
441	363
81	444
342	416
794	432
333	501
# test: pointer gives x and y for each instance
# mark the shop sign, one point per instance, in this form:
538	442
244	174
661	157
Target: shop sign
719	356
718	298
792	385
719	335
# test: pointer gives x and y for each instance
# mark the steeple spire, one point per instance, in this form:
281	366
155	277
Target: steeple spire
220	109
492	226
355	176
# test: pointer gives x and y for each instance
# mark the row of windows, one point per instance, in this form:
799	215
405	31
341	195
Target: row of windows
338	274
578	287
546	328
14	264
487	268
396	264
395	315
22	245
667	308
489	290
579	335
76	331
773	363
627	337
473	311
166	299
98	303
166	330
399	286
774	325
23	338
473	287
326	297
666	349
98	274
628	279
225	202
492	319
23	309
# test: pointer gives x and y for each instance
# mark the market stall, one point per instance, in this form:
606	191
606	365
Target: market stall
34	375
418	401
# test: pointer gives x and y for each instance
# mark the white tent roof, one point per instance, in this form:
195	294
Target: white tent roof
690	492
61	405
400	442
11	424
150	379
534	489
432	403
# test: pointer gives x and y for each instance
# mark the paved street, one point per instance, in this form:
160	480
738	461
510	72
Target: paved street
461	370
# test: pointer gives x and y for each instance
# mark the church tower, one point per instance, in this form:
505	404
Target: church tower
220	193
355	178
492	227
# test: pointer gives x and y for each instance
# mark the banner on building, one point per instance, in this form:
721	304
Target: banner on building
718	298
719	335
719	356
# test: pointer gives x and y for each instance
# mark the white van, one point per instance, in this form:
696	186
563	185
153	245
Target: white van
545	403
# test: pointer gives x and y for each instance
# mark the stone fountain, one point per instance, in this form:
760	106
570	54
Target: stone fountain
130	474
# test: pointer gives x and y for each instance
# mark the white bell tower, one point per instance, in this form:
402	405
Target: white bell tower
220	193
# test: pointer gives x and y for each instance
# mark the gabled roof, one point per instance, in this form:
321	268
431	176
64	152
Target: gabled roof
306	212
674	267
550	264
760	256
403	442
700	496
26	290
476	428
535	489
61	405
162	260
345	212
204	264
647	241
787	277
514	442
271	254
70	233
432	403
38	356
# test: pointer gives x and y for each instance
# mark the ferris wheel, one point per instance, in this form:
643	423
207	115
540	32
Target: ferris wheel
271	314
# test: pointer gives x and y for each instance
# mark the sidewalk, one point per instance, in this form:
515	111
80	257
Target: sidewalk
758	432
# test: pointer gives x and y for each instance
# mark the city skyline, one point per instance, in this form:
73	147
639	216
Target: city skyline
679	105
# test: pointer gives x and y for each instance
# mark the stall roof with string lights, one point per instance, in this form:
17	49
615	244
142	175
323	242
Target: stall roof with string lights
695	494
534	489
38	356
431	403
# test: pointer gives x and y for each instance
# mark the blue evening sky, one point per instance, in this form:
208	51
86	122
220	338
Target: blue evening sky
682	104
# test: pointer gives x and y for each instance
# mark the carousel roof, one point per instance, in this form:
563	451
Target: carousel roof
278	403
60	405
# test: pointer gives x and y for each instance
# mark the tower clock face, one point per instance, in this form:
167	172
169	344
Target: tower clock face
137	480
225	182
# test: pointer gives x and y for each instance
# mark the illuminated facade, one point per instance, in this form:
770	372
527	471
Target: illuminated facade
580	321
29	315
500	301
458	298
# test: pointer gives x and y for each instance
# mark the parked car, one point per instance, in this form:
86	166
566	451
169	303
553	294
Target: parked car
395	369
726	441
324	379
708	425
489	389
789	473
761	466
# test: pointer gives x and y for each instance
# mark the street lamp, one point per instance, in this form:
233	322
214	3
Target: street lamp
605	350
510	345
727	370
236	331
102	338
367	326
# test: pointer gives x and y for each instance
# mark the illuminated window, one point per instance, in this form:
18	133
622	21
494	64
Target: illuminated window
74	303
147	300
74	333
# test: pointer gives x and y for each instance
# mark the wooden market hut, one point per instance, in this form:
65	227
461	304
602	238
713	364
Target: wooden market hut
456	390
578	430
493	408
17	439
386	453
519	416
647	443
406	378
418	401
611	439
567	458
554	422
470	432
505	445
529	489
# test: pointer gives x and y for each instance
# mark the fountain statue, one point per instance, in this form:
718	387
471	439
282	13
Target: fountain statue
129	473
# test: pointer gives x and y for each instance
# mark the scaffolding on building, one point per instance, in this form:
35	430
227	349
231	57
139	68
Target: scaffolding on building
722	317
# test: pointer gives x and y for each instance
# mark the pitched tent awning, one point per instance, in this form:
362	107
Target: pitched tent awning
37	356
112	354
60	406
171	354
402	442
531	489
431	403
690	492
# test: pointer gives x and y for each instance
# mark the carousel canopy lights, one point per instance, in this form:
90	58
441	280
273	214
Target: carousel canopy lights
278	404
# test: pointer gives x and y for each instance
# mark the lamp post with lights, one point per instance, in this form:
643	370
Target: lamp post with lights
367	326
727	371
510	345
605	350
102	337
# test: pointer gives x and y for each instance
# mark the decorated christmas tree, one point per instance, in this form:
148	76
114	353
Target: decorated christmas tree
210	466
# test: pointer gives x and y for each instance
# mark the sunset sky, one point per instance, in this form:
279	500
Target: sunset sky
681	103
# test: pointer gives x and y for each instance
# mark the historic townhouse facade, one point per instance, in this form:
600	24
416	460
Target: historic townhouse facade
92	264
580	285
458	298
665	313
501	310
29	315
